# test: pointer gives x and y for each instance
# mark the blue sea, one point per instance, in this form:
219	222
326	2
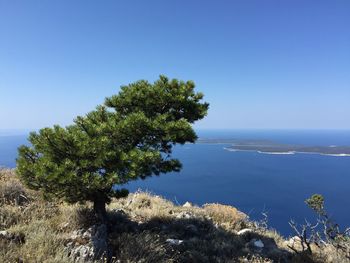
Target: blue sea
251	181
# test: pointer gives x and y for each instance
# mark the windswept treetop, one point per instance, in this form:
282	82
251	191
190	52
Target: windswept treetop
130	136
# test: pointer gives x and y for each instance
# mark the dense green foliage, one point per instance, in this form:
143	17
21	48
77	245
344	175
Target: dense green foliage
316	203
130	136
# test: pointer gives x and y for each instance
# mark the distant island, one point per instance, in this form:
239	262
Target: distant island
271	147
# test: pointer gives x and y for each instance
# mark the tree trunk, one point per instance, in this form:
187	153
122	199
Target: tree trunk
100	209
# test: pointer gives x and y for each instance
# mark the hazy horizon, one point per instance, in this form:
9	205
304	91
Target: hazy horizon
20	132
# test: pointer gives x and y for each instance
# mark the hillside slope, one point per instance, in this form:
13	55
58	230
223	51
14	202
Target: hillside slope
141	228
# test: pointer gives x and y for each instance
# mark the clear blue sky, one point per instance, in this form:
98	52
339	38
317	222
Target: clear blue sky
261	64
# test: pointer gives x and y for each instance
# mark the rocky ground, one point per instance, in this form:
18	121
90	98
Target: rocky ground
140	228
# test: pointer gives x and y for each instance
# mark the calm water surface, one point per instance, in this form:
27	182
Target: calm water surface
252	182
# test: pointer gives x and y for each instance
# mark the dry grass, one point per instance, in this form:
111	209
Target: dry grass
12	191
23	212
42	244
208	232
227	216
142	247
139	226
145	206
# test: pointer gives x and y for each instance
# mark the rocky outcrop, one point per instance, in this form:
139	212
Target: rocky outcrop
86	245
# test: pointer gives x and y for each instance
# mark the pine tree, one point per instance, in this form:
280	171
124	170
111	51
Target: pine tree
130	136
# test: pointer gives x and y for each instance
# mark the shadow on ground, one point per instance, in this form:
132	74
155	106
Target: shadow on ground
185	240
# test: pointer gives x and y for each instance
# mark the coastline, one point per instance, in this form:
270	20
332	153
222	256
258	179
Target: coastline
287	152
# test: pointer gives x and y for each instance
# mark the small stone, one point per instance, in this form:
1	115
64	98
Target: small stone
207	217
244	231
3	233
294	242
174	241
74	235
119	211
294	239
87	235
184	215
69	245
258	243
64	226
187	204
